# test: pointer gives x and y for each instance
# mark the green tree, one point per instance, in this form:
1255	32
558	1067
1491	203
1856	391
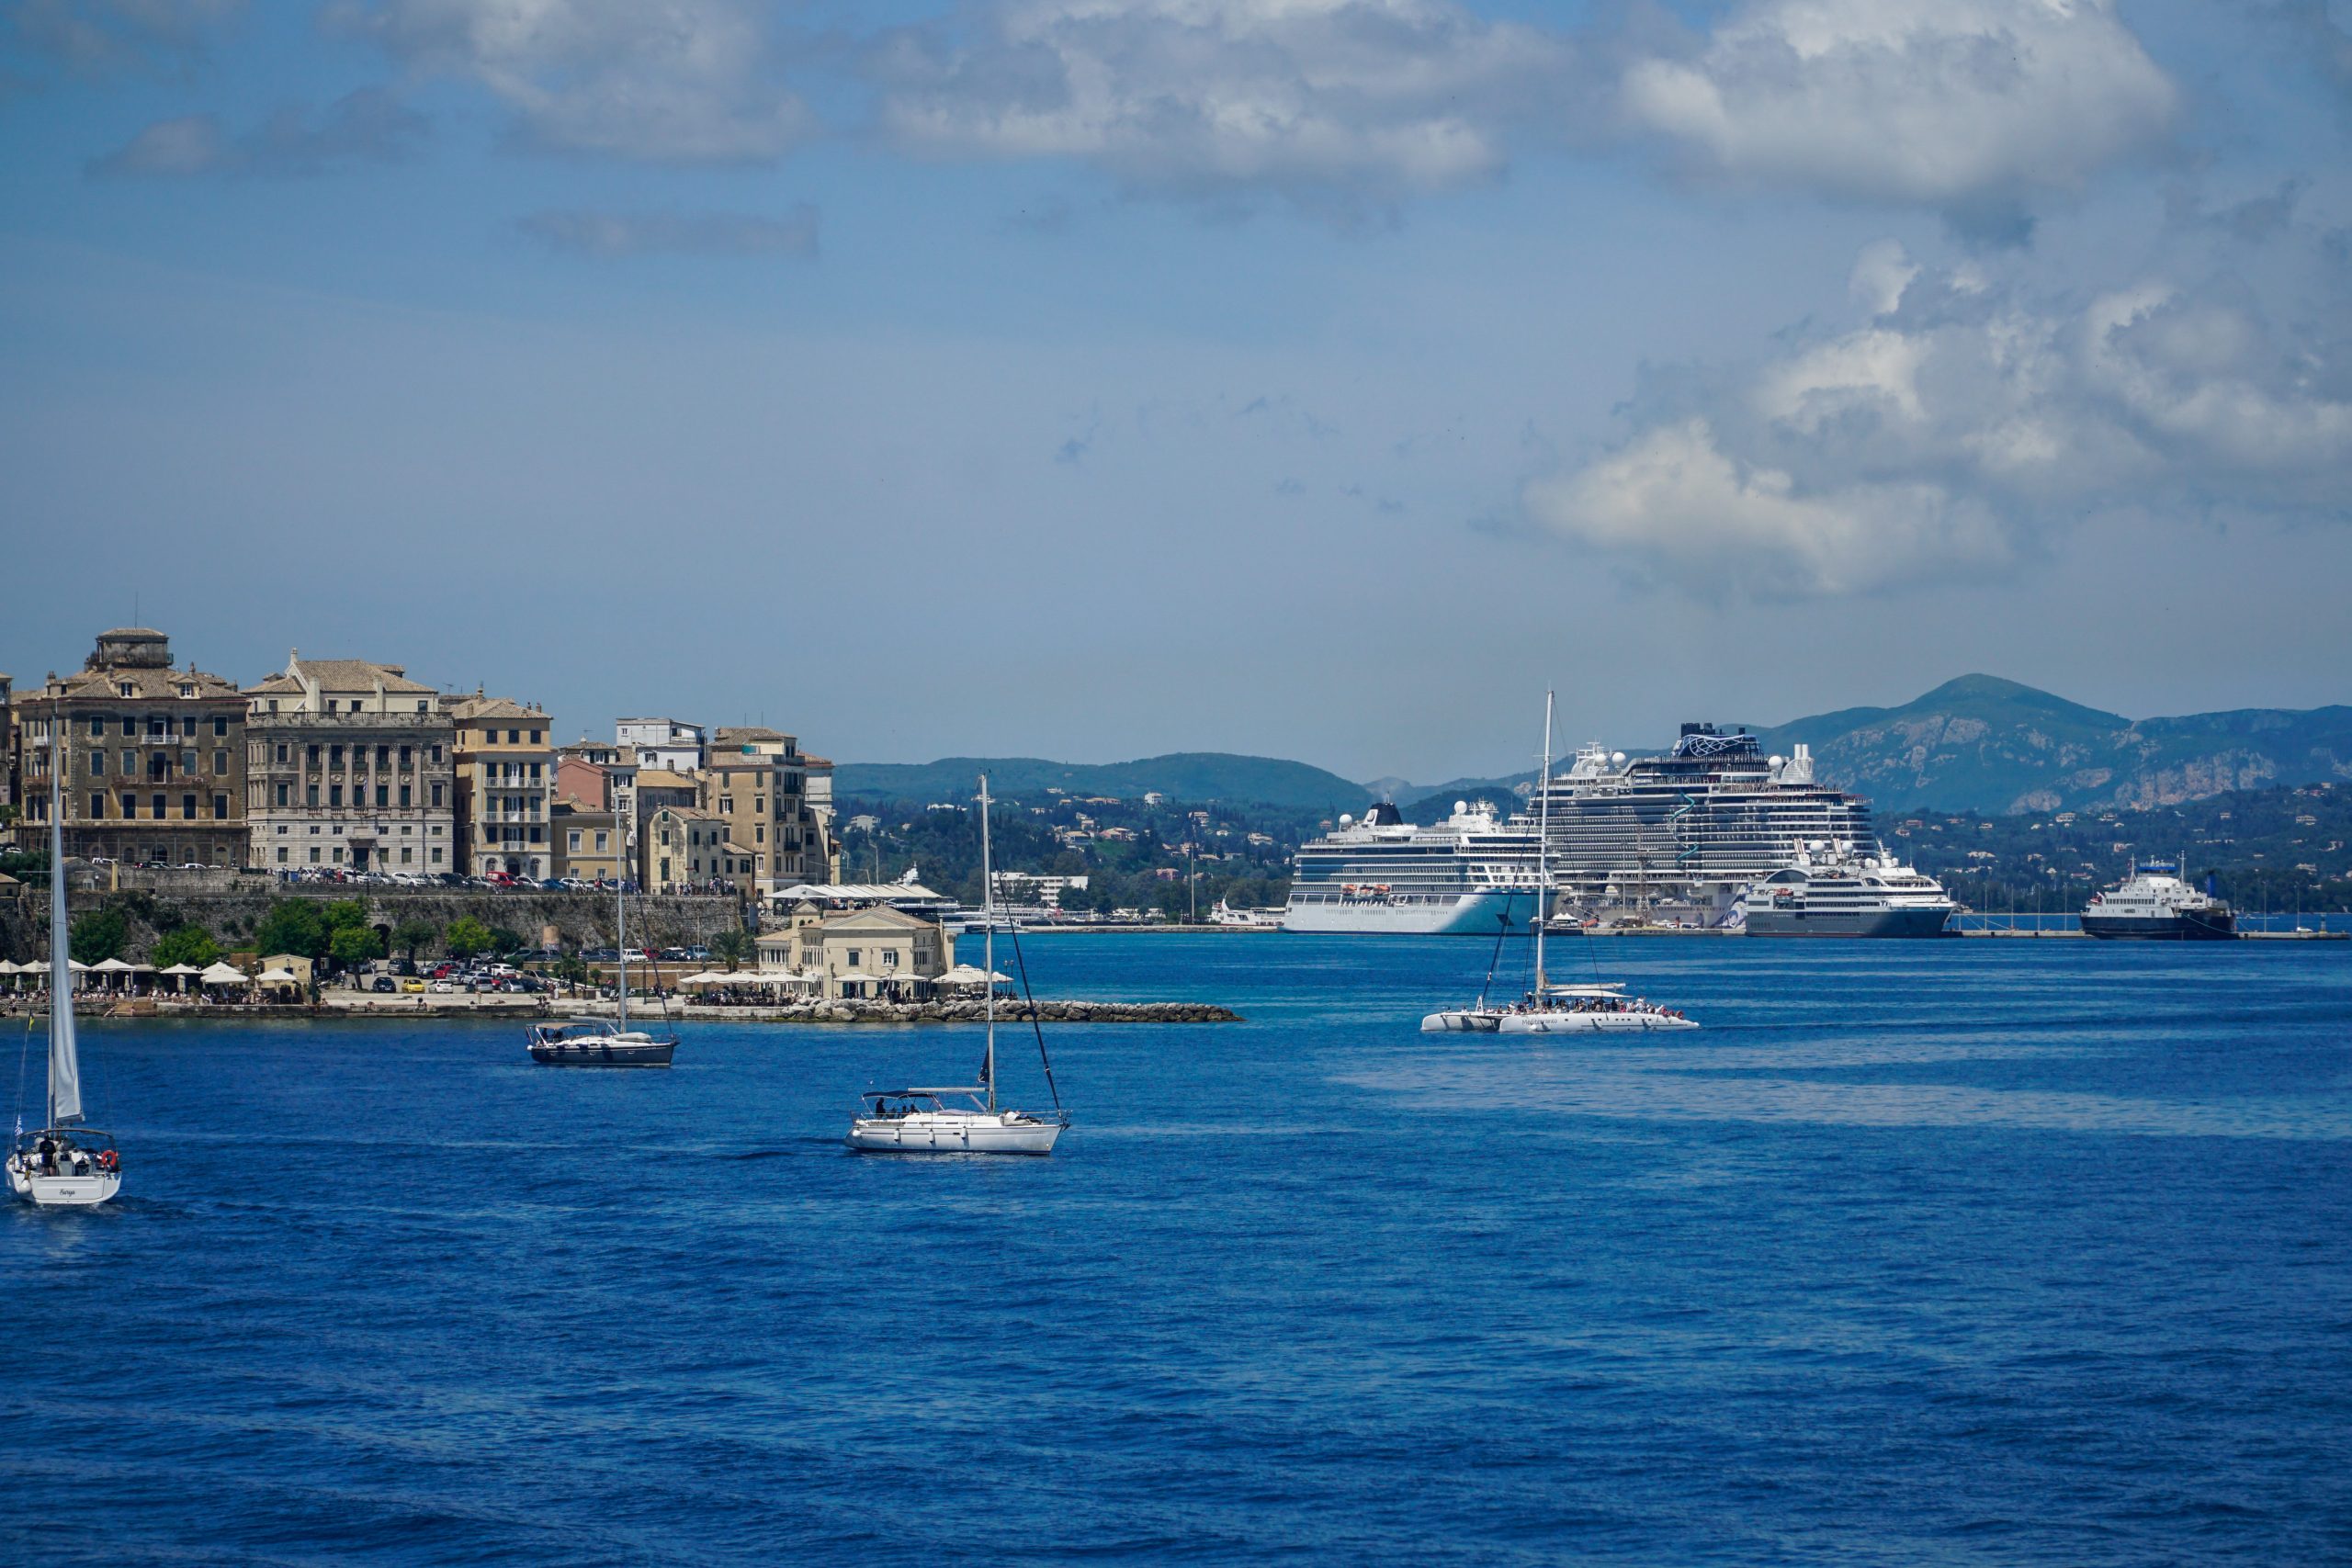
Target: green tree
99	935
191	943
345	913
353	945
504	940
733	947
467	937
292	926
413	933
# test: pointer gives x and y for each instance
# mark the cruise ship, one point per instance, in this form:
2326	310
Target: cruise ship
1470	873
2155	905
1693	829
1833	891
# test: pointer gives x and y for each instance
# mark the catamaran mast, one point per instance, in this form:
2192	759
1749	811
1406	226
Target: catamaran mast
1543	848
64	1062
988	942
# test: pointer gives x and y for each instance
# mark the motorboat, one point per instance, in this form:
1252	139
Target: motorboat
966	1119
63	1164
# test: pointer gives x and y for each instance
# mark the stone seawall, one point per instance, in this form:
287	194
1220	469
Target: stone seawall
580	920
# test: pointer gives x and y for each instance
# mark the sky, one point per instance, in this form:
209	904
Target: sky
1097	378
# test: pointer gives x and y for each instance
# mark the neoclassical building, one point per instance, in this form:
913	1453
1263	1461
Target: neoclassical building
350	764
505	786
154	757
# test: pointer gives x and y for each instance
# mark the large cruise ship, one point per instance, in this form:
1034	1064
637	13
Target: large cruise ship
1693	829
1470	873
1834	891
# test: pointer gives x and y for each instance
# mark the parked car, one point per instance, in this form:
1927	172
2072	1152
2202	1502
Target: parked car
384	985
444	987
412	988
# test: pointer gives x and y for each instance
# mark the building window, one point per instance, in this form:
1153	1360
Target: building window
384	795
335	795
404	794
281	854
853	957
408	855
98	764
436	855
221	725
313	751
131	763
383	756
122	689
513	737
603	842
571	841
97	726
98	806
420	705
220	760
335	758
437	794
187	764
282	791
407	757
314	854
161	811
219	808
310	795
187	808
535	737
187	724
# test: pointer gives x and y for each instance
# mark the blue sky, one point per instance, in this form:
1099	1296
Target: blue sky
1098	377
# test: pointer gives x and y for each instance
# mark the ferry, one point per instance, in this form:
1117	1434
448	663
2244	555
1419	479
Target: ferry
2155	905
1833	891
1470	873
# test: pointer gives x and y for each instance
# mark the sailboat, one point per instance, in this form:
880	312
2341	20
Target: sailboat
604	1042
923	1120
65	1164
1552	1008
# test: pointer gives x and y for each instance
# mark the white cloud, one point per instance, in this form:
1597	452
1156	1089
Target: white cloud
699	233
666	81
1968	105
1957	430
1376	98
367	126
103	34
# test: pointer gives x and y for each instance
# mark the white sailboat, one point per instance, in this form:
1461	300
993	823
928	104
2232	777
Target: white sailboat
1549	1009
605	1043
65	1164
923	1120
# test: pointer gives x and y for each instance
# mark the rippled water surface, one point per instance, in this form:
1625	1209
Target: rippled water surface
1977	1251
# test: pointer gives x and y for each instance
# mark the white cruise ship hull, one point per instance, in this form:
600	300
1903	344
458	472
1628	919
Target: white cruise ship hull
1478	914
1848	922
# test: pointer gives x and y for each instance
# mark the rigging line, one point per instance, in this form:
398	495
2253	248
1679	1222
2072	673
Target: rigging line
1035	1027
1503	931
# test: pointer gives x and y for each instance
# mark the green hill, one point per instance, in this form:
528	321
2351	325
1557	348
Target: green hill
1182	775
1984	744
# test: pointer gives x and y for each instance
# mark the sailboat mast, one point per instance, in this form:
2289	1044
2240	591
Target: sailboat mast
64	1062
1543	848
620	913
988	942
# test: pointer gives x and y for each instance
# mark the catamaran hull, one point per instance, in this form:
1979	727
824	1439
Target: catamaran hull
602	1054
1476	914
1588	1023
934	1136
63	1191
1461	1020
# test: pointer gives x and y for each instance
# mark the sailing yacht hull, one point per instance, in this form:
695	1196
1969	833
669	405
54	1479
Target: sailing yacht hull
605	1052
953	1133
1462	1021
63	1191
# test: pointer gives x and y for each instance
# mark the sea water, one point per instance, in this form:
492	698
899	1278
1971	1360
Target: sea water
1961	1252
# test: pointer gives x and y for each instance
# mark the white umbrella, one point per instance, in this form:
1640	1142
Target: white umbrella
275	977
76	966
223	974
111	966
705	977
181	969
970	974
10	966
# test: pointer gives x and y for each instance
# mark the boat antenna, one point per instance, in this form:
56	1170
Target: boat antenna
1543	847
988	942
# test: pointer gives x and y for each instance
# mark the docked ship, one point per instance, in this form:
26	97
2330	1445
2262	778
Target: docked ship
1689	831
2155	905
1834	891
1472	873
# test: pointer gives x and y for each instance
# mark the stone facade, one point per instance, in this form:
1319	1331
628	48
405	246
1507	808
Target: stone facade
350	764
505	786
682	849
861	953
757	784
154	757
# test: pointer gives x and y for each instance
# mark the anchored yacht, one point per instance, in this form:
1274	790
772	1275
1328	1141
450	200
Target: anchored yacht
2155	905
1833	891
1470	873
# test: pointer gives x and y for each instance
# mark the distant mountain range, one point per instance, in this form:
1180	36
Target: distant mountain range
1182	775
1975	744
1992	746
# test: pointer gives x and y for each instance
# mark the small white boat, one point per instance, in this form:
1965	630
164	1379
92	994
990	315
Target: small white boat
602	1042
921	1122
65	1164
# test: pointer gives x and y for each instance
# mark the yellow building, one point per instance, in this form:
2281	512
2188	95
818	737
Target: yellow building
505	786
682	849
587	841
756	780
872	952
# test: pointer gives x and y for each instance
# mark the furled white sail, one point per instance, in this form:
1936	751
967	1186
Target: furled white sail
64	1062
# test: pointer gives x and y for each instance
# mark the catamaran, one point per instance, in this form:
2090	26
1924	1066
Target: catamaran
604	1042
1551	1009
964	1120
65	1164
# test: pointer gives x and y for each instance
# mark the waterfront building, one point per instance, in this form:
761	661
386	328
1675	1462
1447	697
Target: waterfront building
869	952
681	848
8	747
756	783
820	786
587	838
351	764
666	743
602	775
154	756
505	786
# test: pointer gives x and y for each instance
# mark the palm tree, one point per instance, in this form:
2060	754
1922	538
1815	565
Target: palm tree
733	947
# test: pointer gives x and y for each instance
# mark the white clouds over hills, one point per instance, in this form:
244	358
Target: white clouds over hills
1955	430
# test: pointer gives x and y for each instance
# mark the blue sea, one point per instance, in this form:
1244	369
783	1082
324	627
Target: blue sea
1969	1252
